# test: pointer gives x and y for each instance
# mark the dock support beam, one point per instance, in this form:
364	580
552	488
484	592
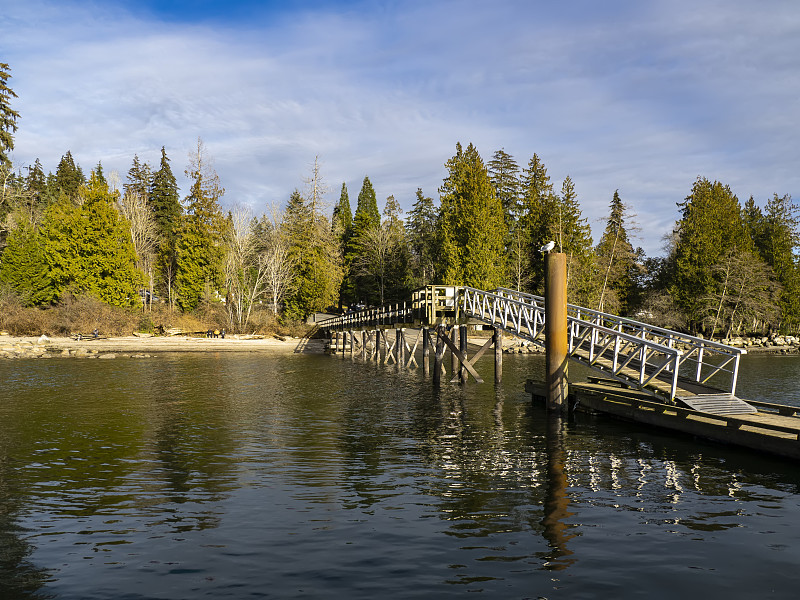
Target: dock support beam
437	360
555	307
498	355
462	345
454	362
426	351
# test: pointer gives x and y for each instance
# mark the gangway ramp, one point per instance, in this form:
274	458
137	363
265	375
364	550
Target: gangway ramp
660	361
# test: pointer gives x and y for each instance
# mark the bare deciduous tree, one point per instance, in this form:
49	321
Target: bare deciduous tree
144	234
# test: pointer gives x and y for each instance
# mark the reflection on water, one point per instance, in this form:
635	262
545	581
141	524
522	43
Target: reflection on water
190	476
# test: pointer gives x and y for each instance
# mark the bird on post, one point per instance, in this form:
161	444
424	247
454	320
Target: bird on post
547	247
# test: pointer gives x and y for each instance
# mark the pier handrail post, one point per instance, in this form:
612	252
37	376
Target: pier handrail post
555	322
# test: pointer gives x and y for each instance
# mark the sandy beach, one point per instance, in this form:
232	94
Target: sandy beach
11	346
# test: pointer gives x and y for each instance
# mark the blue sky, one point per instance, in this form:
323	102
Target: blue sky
643	97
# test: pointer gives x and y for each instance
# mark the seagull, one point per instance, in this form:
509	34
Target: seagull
547	247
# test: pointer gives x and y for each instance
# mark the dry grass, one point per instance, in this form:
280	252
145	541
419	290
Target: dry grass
82	314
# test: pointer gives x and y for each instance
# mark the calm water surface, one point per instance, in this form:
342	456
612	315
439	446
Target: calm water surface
247	476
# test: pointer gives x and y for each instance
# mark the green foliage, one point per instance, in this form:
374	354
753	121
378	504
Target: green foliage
140	178
69	177
24	267
198	252
164	200
471	225
504	175
89	250
710	227
343	218
314	252
421	233
616	261
538	217
8	117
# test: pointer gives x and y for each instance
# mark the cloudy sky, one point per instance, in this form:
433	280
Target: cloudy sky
638	96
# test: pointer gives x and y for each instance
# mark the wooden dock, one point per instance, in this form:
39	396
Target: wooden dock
772	428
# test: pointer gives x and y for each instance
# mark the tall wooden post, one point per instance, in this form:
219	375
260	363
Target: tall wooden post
498	355
398	337
454	362
336	343
438	356
364	344
352	343
426	351
555	308
462	345
344	340
377	345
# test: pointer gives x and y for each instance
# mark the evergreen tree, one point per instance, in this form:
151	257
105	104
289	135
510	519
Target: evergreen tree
89	249
8	117
616	261
36	185
471	225
711	226
777	244
342	224
343	217
538	218
199	238
574	238
504	174
366	219
421	232
69	177
140	178
24	267
164	200
312	250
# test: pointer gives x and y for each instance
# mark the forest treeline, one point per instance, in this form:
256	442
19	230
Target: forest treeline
727	268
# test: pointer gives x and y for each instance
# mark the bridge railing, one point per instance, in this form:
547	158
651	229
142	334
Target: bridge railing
626	357
701	359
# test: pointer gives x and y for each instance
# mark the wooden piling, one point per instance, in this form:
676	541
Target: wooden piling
498	354
426	351
364	344
454	362
438	356
462	345
398	349
555	308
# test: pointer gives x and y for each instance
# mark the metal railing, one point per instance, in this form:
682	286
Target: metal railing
700	359
631	351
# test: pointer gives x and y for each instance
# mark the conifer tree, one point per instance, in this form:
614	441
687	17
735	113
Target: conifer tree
366	219
199	238
343	217
538	218
421	232
139	178
89	249
777	244
69	178
616	260
471	225
24	266
574	238
164	201
8	117
312	250
711	226
504	174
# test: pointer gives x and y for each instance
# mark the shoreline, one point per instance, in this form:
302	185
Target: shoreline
144	347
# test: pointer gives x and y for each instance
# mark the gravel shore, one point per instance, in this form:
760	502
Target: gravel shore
46	347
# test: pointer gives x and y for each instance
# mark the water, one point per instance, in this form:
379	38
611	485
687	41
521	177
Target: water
248	476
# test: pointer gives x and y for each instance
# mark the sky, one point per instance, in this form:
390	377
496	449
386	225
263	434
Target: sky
640	97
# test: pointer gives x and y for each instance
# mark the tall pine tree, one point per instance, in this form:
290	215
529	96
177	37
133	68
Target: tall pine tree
199	239
471	225
8	117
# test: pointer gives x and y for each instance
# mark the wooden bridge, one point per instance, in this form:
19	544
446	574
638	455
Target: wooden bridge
643	373
666	364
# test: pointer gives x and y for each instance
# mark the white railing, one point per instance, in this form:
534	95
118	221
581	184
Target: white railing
618	345
631	351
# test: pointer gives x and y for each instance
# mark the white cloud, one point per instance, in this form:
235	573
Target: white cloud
637	97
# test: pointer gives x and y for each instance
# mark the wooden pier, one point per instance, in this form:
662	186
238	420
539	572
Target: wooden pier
770	428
